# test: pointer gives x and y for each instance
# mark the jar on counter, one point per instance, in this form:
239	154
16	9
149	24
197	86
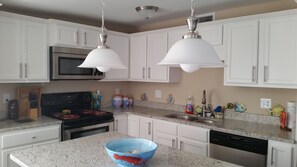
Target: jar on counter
125	100
117	101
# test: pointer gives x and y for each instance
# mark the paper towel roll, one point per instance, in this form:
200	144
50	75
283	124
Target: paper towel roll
291	114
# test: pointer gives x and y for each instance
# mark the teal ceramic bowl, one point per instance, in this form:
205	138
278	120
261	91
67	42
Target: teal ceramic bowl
131	152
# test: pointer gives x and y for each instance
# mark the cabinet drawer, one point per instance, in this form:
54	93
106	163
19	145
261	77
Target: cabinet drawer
30	136
194	133
165	127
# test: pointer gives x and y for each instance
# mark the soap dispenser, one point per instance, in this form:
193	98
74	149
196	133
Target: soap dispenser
189	107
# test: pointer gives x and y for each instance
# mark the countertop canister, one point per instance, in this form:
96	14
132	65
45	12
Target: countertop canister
291	112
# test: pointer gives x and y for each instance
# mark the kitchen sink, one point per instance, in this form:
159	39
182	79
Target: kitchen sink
190	118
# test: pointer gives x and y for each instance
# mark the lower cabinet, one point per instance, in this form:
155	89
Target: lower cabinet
281	154
21	139
121	123
183	137
133	125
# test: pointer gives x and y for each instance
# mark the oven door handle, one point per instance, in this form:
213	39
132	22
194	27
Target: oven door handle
88	127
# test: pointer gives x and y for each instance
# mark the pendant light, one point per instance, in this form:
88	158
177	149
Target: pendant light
103	58
192	53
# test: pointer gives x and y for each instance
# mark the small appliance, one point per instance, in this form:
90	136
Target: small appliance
13	108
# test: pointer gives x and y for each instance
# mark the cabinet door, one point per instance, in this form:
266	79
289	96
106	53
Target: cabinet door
157	50
138	57
121	123
66	35
242	53
280	154
193	146
10	49
278	43
146	128
133	125
119	44
165	139
35	51
176	35
90	38
213	34
5	159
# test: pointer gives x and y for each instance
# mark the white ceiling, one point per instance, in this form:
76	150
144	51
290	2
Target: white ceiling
120	11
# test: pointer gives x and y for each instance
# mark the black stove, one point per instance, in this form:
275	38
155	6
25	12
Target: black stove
75	112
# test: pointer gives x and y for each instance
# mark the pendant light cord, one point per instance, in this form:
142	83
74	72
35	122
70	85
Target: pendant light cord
192	7
103	27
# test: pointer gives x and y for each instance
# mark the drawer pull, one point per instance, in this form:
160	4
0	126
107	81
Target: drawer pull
34	137
173	143
149	128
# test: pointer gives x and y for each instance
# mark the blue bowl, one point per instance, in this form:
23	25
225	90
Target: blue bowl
131	152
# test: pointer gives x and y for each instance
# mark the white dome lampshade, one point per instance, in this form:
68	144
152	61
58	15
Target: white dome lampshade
192	53
103	58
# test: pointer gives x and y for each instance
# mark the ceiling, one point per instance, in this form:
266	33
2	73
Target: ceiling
119	11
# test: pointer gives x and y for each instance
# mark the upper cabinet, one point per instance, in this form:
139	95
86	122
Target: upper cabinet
69	34
23	49
242	52
118	42
146	51
262	52
278	50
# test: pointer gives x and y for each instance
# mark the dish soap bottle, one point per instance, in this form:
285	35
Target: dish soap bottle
189	107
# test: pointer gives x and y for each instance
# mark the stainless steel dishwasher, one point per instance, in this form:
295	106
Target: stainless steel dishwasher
237	149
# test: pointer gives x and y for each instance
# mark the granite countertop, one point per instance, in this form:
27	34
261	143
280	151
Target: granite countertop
10	125
89	152
238	127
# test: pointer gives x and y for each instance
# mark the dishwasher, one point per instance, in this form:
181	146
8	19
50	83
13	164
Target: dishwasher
237	149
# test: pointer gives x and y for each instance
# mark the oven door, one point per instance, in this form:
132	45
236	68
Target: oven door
87	131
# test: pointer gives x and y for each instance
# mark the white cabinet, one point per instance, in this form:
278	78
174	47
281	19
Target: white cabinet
121	123
62	33
20	139
242	52
193	139
278	50
23	50
146	128
183	137
281	154
262	52
118	42
146	51
133	125
165	133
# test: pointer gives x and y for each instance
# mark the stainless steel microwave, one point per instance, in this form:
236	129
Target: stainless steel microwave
64	62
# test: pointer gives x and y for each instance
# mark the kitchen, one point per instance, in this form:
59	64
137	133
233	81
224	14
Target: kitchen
211	80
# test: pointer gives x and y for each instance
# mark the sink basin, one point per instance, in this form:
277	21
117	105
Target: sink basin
190	118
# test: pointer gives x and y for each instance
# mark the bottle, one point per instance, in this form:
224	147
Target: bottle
283	119
125	102
117	100
189	107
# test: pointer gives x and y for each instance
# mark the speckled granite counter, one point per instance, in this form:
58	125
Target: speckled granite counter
10	125
89	152
244	128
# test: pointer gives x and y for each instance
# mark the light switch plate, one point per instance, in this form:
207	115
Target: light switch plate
265	103
6	98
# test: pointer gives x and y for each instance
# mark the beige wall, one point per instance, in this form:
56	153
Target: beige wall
211	80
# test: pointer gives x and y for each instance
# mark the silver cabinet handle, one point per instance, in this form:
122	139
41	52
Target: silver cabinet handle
143	72
21	70
173	143
26	70
85	38
34	137
149	72
254	74
265	73
149	128
180	145
116	125
75	37
272	156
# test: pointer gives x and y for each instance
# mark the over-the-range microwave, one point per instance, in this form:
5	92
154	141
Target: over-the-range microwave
64	62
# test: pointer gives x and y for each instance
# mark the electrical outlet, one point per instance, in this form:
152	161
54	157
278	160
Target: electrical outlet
6	98
265	103
158	94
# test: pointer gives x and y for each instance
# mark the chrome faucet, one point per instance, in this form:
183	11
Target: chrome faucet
204	104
